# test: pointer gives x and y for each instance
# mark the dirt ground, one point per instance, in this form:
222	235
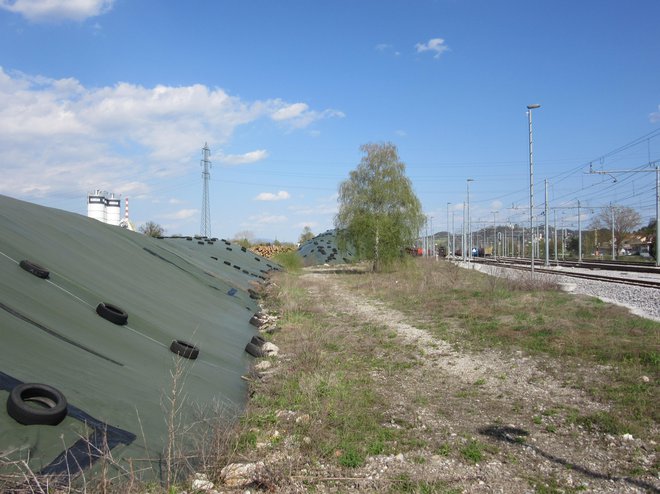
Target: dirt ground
514	407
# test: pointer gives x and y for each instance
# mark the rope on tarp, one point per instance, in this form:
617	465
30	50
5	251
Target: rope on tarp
93	307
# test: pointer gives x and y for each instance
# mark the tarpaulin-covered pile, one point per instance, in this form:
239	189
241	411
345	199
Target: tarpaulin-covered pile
95	321
324	249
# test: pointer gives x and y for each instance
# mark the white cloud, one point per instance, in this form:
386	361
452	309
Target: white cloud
291	111
655	116
100	137
55	10
181	214
298	115
436	45
243	159
266	219
269	196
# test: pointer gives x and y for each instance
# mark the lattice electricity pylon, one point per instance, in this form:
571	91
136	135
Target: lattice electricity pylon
205	225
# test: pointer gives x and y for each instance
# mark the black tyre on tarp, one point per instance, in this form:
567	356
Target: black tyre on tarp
258	341
112	313
254	350
34	268
256	320
50	408
184	349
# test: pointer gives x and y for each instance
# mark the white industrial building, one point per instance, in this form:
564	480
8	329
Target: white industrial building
105	207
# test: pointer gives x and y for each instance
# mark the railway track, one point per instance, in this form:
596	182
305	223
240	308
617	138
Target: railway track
626	274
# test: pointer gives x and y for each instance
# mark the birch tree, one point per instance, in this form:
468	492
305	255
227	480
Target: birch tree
379	213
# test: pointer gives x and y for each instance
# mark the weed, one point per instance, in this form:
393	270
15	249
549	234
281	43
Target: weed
290	260
599	421
473	451
443	450
403	483
350	457
553	486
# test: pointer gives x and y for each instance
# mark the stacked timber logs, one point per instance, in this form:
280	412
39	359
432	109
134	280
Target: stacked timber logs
269	251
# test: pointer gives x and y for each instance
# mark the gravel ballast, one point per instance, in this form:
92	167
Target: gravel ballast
643	302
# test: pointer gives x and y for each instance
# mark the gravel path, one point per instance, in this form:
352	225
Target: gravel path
515	408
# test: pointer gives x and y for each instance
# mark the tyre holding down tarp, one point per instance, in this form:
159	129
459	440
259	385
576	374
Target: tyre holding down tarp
257	320
184	349
112	313
254	350
34	268
36	404
258	341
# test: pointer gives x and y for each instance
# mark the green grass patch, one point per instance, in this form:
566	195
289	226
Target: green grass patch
473	451
290	260
404	483
473	311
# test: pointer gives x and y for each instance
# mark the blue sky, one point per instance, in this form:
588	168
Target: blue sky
121	95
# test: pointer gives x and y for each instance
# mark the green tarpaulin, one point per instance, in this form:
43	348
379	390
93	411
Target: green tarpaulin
324	249
117	378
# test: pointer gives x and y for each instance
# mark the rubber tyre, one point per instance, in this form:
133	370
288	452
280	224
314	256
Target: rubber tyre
112	313
254	350
258	341
23	413
184	349
256	321
34	269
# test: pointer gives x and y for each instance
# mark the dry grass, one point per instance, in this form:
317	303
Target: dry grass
475	311
324	398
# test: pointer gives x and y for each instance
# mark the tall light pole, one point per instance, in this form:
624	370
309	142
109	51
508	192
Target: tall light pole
432	236
425	244
546	235
469	228
463	239
453	235
494	234
531	179
448	251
